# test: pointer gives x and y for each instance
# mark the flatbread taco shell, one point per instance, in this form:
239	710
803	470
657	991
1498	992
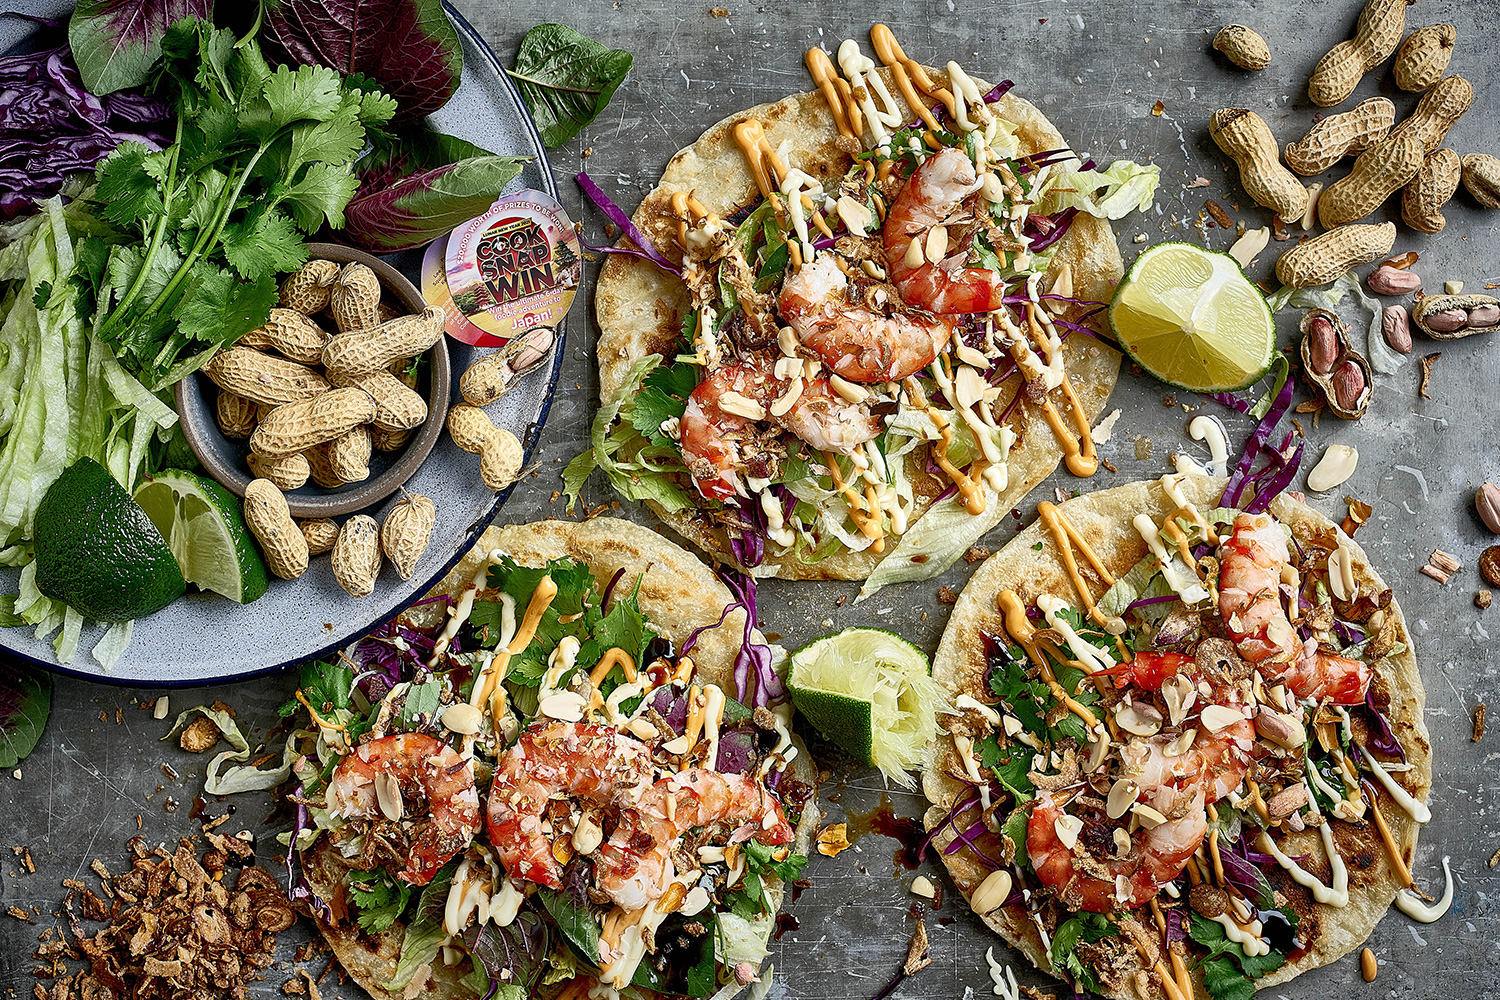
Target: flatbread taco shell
1103	519
640	307
678	594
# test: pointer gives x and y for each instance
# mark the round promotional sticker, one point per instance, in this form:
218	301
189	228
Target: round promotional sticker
513	269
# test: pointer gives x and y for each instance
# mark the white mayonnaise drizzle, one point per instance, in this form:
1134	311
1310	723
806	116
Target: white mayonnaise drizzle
1002	976
1209	431
1247	938
1338	894
1415	808
1411	904
1092	657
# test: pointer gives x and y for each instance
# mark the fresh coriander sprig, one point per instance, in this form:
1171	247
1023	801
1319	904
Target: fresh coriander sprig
261	158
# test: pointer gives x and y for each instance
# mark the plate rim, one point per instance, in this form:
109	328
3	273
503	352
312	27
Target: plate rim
530	444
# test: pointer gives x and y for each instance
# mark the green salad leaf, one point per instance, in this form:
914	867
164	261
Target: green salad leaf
1228	973
574	920
25	704
566	79
424	932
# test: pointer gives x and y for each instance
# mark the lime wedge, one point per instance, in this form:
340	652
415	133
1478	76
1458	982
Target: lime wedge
98	552
870	692
1191	318
202	524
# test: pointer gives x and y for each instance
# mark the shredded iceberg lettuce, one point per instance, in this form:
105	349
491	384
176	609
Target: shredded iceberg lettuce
1113	193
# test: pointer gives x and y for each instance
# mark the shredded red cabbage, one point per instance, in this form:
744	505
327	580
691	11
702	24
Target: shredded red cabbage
298	889
967	801
1271	488
50	126
998	91
1175	929
1382	737
1255	445
1228	399
1060	223
382	661
1141	602
609	589
753	657
645	250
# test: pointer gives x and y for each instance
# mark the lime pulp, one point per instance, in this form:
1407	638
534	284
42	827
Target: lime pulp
203	527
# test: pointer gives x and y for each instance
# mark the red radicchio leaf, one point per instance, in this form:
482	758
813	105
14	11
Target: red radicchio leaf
25	703
419	208
115	42
407	46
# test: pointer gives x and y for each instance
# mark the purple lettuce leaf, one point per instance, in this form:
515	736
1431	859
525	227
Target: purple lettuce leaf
25	704
419	207
519	949
408	47
1242	873
115	42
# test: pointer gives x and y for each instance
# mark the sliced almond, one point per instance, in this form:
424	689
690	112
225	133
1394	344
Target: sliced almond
462	718
1012	725
1135	722
641	729
1150	818
680	745
388	796
1181	744
914	258
1122	842
857	217
741	405
1068	828
1217	717
564	706
937	243
851	392
1121	794
922	886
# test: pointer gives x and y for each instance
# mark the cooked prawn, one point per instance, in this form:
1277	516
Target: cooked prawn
436	787
1088	875
1217	760
723	447
631	867
593	764
854	341
1250	594
1322	675
930	198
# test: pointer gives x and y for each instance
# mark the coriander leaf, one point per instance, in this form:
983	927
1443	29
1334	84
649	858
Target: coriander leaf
566	79
337	139
1221	978
379	899
1089	928
1225	982
223	310
42	295
304	93
128	192
320	193
1015	829
25	704
266	244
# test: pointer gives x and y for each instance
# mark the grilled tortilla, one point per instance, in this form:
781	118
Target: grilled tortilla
641	308
1030	566
678	594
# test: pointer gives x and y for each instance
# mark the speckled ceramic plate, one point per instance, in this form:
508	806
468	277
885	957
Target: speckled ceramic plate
203	637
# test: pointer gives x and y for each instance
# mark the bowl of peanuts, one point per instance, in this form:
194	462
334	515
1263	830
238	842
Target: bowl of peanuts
338	399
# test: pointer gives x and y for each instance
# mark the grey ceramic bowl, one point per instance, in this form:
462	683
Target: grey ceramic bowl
224	458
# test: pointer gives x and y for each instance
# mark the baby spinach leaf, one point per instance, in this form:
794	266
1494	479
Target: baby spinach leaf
574	920
116	41
407	48
25	703
566	79
424	934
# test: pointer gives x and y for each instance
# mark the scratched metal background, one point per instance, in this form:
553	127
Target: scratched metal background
1097	69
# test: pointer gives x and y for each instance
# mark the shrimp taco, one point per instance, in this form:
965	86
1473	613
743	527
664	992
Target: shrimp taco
1186	737
540	781
865	330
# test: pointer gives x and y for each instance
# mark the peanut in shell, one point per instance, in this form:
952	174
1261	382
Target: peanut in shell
298	426
355	298
366	351
356	555
235	415
290	333
349	455
406	532
288	472
262	378
321	534
269	520
307	289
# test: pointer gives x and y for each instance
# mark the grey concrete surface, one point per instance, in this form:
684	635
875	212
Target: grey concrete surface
1097	69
